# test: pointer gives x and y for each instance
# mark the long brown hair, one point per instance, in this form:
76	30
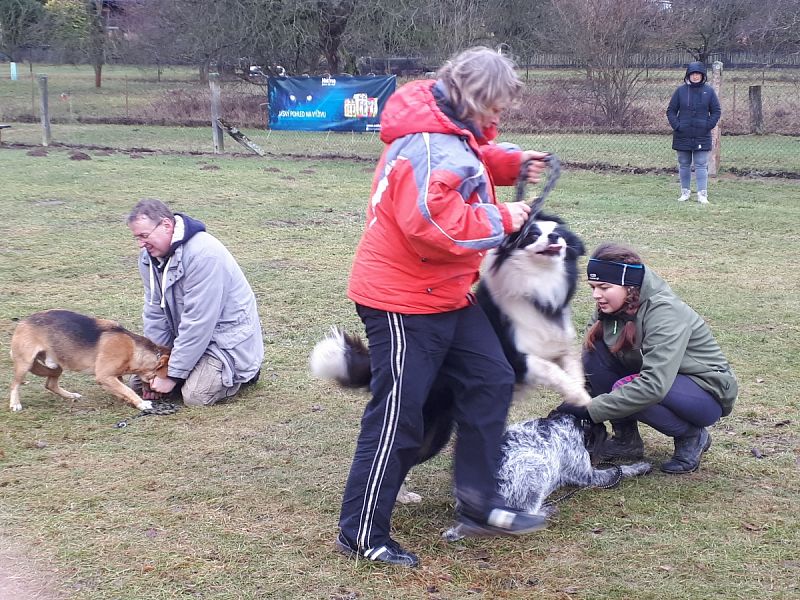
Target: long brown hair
624	254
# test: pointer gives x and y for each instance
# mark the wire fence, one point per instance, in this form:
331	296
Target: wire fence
138	110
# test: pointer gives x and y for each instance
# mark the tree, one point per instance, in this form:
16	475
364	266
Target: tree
78	27
775	30
603	36
702	27
19	22
333	16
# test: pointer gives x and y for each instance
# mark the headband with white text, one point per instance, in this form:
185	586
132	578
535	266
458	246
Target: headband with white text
616	273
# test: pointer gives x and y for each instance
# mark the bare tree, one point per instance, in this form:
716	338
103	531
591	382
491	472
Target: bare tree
604	36
702	27
774	30
333	16
457	24
19	22
96	38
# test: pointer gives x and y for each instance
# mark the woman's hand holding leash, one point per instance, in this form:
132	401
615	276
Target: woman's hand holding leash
536	164
519	212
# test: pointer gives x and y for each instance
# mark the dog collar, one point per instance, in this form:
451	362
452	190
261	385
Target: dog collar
616	273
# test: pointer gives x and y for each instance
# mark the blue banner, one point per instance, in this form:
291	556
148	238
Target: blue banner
341	103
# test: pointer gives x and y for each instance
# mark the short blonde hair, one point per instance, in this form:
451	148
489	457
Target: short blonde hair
478	79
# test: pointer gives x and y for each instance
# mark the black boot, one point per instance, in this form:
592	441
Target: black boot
626	444
688	450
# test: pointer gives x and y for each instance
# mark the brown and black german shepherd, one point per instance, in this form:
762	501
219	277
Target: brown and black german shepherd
48	342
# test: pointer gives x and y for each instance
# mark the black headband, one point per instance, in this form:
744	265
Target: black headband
616	273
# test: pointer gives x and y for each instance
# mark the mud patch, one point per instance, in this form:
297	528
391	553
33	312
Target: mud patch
37	152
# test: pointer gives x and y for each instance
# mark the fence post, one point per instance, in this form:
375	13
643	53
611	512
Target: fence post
44	109
216	113
756	115
716	83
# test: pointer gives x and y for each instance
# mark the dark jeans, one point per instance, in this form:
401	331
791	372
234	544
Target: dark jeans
454	358
685	406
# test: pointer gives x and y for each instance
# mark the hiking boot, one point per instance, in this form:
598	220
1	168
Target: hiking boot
688	451
685	193
500	521
702	196
626	444
390	553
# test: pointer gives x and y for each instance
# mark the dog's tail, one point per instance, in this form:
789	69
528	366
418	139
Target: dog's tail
343	357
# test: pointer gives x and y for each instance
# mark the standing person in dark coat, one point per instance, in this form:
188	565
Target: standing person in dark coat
693	112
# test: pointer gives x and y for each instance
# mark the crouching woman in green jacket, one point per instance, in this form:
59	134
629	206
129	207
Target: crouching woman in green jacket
649	357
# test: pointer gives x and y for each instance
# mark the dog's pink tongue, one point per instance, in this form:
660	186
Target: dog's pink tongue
554	248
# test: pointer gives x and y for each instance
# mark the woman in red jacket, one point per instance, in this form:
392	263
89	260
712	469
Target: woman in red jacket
431	218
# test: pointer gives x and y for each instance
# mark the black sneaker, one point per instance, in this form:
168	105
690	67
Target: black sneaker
390	553
501	521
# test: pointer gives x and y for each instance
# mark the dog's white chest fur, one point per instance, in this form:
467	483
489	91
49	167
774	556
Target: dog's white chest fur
531	287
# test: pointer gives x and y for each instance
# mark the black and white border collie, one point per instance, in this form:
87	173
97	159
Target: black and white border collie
525	290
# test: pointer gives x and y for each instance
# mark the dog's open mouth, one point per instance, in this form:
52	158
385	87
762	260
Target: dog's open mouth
551	250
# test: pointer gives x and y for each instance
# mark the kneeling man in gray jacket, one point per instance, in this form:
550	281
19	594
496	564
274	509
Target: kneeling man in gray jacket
198	302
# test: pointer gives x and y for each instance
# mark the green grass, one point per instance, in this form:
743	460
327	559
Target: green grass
240	501
125	90
626	152
135	93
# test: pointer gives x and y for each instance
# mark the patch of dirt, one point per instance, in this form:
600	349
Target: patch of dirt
271	170
37	152
79	156
21	578
209	168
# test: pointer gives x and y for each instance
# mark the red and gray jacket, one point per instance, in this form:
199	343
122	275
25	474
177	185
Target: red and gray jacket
433	212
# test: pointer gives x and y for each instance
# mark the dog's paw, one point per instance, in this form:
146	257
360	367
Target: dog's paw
16	407
578	397
640	468
145	405
453	534
405	496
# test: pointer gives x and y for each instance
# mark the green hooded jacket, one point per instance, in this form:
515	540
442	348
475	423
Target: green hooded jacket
671	339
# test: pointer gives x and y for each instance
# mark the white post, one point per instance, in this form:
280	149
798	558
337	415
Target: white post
44	110
716	83
216	113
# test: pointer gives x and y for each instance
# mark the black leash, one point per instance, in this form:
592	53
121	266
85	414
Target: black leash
553	173
571	493
158	409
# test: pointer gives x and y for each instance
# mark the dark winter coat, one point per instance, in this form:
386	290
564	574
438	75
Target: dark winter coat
693	112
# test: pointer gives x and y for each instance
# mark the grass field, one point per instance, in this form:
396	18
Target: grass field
132	93
749	154
240	501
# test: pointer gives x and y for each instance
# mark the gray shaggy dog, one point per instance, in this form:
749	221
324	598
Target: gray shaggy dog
541	455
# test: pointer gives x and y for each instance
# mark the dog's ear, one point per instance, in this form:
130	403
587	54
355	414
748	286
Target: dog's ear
162	362
575	247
